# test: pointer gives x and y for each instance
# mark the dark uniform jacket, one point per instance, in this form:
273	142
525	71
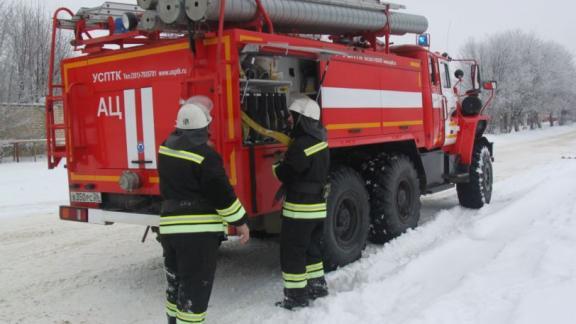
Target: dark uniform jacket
304	174
197	195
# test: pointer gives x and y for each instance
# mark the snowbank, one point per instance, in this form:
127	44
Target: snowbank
512	262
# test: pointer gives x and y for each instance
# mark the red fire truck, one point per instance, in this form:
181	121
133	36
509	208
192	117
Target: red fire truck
402	121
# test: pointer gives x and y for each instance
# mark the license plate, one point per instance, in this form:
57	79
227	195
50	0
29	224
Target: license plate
86	197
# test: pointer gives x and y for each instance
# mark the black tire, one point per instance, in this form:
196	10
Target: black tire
348	220
394	190
478	191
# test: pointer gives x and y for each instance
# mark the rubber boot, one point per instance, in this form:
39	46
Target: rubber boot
317	288
294	298
171	320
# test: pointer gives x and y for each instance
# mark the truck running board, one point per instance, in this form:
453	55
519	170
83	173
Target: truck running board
458	178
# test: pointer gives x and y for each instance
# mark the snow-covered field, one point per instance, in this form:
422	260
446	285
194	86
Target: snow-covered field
513	261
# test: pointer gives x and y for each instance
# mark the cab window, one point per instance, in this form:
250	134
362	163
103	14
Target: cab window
432	69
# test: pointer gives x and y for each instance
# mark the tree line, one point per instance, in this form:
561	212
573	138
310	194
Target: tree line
536	79
25	39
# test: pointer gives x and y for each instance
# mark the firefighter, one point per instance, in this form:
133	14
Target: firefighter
303	173
198	202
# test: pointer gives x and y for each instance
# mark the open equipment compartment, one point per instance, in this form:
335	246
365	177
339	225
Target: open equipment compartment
268	85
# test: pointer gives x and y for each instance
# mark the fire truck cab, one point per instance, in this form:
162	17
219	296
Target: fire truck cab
399	126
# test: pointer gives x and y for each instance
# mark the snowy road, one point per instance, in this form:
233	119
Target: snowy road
511	262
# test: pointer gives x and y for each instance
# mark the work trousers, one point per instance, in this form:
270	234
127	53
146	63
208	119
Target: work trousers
190	263
300	253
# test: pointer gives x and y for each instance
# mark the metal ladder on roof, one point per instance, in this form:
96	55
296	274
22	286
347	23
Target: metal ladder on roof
98	15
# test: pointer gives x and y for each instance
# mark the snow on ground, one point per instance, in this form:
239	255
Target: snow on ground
511	262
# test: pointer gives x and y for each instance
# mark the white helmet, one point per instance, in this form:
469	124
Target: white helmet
193	116
306	106
201	101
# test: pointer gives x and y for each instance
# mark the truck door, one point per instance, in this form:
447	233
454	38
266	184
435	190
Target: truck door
450	100
438	100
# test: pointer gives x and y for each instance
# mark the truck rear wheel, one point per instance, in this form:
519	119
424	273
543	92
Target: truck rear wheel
394	197
346	226
478	191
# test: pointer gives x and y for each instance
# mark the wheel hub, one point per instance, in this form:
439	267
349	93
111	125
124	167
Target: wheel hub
346	222
343	221
487	179
403	199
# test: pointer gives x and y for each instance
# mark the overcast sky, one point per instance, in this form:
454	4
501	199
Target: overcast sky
452	22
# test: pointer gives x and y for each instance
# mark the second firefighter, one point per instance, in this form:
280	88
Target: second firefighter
304	175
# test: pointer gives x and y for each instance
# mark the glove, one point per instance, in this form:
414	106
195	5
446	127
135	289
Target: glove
280	195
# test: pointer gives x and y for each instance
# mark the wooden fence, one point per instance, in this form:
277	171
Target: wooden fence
16	150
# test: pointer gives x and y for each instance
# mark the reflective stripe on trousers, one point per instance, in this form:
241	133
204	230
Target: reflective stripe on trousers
294	280
300	280
171	309
315	270
184	318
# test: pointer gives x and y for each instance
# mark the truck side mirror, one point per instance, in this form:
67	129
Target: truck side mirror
476	79
490	85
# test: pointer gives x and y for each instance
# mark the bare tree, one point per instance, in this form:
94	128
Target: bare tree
535	78
25	39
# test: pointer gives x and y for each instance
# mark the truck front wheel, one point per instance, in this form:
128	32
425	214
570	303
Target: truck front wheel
346	226
394	188
478	191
